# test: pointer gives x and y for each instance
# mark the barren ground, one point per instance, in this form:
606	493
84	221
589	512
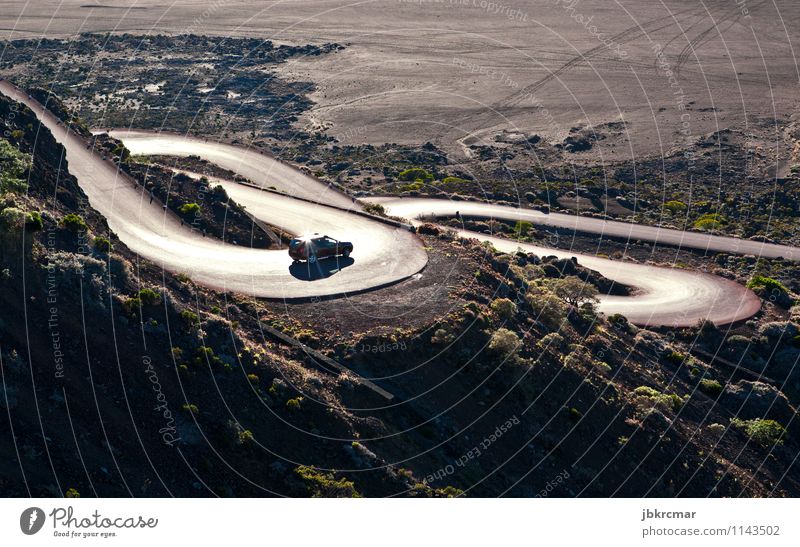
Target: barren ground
454	72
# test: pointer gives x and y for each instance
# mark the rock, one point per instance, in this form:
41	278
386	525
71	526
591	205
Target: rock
749	400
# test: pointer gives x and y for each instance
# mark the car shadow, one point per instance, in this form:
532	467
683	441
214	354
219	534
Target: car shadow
312	271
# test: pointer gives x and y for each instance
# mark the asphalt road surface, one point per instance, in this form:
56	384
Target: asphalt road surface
413	208
262	170
383	254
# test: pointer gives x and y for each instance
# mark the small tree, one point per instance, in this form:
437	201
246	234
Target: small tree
574	291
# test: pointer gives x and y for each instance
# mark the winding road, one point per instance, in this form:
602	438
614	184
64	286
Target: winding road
384	253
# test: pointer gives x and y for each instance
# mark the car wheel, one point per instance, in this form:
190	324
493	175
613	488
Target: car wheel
346	253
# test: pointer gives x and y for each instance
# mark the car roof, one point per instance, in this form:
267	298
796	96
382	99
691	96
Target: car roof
312	237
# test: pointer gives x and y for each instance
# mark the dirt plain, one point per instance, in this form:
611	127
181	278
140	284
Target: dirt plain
460	72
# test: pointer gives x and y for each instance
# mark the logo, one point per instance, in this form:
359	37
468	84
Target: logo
31	520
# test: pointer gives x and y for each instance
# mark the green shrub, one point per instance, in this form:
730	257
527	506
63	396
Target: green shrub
662	400
760	282
522	228
219	193
617	319
547	308
504	342
710	222
13	218
454	180
375	209
646	391
74	223
191	409
189	209
294	404
132	306
414	174
34	222
149	297
504	308
121	152
190	318
551	340
13	165
448	492
675	357
675	207
764	432
245	437
72	493
325	485
442	337
412	187
205	352
710	387
102	244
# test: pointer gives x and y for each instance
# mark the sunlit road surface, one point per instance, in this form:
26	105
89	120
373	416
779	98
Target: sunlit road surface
664	296
420	207
383	254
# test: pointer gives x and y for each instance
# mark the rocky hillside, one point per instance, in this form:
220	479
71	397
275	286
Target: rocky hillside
122	380
119	379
